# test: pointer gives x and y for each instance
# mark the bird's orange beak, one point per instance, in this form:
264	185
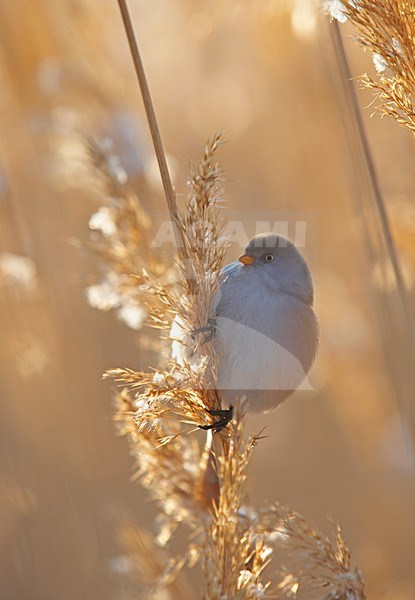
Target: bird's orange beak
246	259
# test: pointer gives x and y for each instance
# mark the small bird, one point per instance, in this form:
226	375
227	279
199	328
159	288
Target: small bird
264	328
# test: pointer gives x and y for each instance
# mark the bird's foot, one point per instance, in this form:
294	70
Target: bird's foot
209	329
225	417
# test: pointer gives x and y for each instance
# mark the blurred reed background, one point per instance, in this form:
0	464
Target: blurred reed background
265	73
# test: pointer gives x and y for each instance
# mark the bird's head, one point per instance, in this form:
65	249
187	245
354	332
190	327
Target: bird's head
277	262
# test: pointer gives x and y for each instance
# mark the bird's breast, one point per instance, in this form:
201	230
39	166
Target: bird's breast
265	343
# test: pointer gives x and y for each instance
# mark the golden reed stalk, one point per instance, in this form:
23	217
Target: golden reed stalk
387	30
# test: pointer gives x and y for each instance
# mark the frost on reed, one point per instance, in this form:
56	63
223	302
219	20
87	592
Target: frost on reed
201	489
387	30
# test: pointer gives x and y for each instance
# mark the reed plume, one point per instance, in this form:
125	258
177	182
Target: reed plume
387	30
121	233
146	568
325	567
188	392
160	411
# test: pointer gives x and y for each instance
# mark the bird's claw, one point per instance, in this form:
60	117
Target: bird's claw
210	329
225	417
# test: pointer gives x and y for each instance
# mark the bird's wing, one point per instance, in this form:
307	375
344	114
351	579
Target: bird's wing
229	270
227	275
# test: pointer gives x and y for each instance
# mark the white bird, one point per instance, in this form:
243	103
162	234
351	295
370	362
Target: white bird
266	333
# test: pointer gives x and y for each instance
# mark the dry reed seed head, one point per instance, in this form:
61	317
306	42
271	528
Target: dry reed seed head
234	544
205	246
177	394
336	10
170	471
170	464
386	29
236	551
317	562
121	240
150	567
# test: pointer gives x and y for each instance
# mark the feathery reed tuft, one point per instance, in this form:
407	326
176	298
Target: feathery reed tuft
185	391
236	551
121	233
202	489
320	564
152	576
387	30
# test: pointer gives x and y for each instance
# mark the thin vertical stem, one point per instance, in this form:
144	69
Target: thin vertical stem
152	122
373	177
217	444
361	143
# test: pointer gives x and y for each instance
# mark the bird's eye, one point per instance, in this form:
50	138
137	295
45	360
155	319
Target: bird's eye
269	257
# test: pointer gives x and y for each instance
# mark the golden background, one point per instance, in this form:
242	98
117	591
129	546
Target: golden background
266	73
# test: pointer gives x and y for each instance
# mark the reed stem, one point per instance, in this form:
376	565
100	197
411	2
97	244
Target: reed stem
361	144
218	445
152	122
